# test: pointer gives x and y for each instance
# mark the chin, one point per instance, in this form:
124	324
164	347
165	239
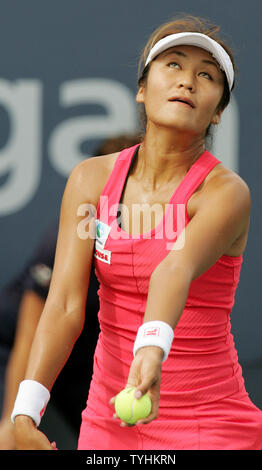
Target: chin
178	126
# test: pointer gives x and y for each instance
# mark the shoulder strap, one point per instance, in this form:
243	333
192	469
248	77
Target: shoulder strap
195	176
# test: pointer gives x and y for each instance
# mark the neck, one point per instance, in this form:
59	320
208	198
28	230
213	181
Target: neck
164	154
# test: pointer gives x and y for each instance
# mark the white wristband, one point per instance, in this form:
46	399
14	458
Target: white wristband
154	333
31	400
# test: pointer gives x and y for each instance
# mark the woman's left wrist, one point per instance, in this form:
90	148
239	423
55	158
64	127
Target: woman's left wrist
154	333
153	350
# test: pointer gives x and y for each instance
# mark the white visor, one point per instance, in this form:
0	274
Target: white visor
199	40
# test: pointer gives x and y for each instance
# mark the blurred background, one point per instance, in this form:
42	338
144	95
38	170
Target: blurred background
68	81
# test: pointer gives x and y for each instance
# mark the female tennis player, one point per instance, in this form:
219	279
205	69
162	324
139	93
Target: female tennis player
168	274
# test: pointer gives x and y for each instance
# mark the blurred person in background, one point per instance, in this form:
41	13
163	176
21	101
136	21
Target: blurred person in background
21	304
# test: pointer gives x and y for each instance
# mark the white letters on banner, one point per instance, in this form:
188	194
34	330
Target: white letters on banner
21	158
120	117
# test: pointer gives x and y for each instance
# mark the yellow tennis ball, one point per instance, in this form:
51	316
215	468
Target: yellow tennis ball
131	409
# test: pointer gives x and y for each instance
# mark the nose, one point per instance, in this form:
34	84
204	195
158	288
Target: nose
186	80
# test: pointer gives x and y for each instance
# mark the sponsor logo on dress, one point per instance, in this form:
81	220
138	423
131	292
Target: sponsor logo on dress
102	232
103	255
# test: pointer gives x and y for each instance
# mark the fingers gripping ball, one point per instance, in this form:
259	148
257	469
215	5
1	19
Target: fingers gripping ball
131	409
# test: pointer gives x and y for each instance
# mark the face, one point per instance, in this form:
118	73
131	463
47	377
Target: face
183	89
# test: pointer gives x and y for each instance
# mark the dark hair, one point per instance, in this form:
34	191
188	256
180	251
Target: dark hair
181	24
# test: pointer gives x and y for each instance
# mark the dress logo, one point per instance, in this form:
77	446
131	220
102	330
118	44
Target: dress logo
103	255
102	232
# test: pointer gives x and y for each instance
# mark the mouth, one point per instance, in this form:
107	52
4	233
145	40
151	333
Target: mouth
182	100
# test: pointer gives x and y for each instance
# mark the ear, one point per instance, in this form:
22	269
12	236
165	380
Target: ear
140	95
216	118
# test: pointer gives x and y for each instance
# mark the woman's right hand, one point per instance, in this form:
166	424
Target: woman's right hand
7	438
28	437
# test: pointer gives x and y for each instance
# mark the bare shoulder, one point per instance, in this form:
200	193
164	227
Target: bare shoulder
89	177
224	186
229	187
228	194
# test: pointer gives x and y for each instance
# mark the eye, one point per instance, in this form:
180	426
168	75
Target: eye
173	65
206	75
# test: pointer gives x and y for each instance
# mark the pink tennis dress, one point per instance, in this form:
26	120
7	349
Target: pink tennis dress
203	403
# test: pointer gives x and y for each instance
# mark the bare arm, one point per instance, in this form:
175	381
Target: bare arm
63	315
222	217
218	223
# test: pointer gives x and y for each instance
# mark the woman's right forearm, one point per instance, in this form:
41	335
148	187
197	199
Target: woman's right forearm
56	334
57	331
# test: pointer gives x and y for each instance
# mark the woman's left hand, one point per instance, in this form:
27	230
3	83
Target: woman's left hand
145	376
